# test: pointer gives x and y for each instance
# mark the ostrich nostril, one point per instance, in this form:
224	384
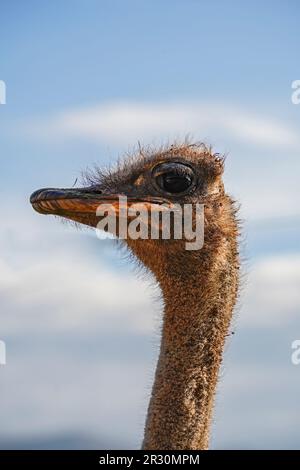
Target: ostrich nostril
91	189
96	189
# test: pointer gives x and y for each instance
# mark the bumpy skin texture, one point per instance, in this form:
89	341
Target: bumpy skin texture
199	288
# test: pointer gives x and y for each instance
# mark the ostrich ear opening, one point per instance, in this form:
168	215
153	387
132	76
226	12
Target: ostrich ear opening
217	166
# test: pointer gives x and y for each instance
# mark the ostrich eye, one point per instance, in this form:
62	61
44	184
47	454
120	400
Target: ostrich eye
173	178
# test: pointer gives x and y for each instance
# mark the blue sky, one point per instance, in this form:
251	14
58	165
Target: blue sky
85	81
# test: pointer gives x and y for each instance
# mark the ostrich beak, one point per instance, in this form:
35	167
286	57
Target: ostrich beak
81	204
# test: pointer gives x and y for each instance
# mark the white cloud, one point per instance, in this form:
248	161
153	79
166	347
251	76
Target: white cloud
57	393
69	292
51	281
127	122
257	405
272	295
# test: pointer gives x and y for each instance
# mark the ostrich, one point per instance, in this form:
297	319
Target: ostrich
199	287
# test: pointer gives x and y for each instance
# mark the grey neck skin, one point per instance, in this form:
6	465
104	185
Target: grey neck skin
197	314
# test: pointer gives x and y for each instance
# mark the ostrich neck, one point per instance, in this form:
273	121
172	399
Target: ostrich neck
197	314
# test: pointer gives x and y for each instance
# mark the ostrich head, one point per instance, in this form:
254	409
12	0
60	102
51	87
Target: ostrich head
159	180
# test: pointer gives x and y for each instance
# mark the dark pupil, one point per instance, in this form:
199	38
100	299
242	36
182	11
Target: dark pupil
173	183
